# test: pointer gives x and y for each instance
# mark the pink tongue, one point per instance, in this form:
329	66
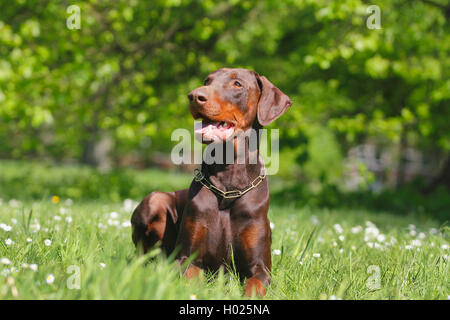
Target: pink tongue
211	130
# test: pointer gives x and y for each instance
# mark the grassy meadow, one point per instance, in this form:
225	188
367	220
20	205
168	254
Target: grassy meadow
53	246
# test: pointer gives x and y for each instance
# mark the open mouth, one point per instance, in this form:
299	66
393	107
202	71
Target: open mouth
210	130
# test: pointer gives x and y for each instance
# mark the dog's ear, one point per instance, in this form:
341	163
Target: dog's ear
272	102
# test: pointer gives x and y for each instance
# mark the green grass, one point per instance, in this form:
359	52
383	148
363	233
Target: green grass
411	256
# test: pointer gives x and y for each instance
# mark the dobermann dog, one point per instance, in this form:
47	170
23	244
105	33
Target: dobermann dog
224	212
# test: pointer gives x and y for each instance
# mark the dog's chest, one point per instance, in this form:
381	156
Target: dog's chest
222	238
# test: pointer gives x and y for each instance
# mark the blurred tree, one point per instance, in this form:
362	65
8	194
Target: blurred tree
118	85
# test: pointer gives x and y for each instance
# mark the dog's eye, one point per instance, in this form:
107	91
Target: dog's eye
237	84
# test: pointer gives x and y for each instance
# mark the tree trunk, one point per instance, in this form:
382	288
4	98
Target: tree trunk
442	178
96	151
400	179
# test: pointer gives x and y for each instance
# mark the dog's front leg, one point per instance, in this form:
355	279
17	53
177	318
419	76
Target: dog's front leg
192	241
253	259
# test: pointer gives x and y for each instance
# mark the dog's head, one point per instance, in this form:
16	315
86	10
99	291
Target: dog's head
231	100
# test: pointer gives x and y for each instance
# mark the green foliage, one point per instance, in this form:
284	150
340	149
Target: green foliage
406	200
38	181
127	71
325	159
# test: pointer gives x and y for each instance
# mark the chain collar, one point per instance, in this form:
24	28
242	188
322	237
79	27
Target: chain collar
200	177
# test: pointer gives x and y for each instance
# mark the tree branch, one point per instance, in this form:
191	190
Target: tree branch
445	8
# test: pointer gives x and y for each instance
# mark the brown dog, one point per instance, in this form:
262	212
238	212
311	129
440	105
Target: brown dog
224	211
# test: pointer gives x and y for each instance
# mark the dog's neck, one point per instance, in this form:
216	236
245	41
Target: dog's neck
241	169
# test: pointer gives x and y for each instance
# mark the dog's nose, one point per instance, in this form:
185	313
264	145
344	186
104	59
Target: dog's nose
199	96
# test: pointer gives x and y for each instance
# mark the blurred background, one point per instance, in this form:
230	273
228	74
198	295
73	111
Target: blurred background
88	113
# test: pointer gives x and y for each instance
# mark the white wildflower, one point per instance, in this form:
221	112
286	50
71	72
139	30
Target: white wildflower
35	227
357	229
337	227
370	224
314	220
371	233
50	278
128	204
381	238
5	227
393	241
113	222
